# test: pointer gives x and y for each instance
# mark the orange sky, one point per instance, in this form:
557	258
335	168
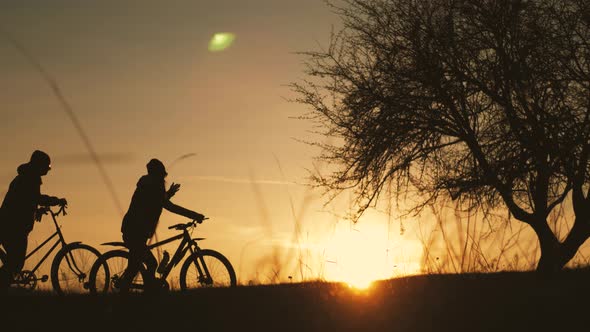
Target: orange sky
143	84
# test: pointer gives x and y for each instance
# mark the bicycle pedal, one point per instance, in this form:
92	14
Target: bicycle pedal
44	278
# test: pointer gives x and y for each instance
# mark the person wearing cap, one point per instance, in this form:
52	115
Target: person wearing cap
17	213
140	222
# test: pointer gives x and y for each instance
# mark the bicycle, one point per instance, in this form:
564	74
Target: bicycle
70	266
202	268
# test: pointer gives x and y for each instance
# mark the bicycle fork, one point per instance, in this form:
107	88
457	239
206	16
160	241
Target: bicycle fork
72	265
202	270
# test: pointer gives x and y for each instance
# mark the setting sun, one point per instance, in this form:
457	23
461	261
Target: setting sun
356	258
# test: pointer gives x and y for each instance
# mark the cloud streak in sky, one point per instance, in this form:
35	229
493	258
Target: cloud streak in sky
85	158
214	178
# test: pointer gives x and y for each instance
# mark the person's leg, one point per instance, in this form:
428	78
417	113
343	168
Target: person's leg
15	246
134	262
151	264
150	261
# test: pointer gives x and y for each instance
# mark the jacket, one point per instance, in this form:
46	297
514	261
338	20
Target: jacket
145	208
17	213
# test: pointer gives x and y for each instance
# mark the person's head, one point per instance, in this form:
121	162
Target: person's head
156	168
40	162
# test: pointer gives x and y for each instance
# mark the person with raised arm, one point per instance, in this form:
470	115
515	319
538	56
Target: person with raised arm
140	222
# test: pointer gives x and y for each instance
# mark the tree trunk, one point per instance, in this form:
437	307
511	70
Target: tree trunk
577	236
555	255
550	248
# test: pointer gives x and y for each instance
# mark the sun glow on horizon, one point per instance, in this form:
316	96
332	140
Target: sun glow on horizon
360	285
360	255
357	259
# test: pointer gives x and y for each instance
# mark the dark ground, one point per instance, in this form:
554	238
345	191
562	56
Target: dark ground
470	302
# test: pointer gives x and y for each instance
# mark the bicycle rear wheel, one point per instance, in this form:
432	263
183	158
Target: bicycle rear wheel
208	268
70	268
107	273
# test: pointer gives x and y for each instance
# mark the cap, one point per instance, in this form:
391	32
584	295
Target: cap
40	157
156	166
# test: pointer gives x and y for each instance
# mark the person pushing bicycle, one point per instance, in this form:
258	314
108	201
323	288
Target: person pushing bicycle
18	212
140	222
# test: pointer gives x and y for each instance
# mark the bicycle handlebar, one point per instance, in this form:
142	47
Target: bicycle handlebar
47	208
180	227
62	210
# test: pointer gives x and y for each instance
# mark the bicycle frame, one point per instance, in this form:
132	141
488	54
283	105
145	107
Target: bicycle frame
185	245
60	240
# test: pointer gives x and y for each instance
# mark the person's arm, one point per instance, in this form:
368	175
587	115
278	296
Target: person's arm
168	205
51	200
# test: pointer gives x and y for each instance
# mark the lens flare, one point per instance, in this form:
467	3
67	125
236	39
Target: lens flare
221	41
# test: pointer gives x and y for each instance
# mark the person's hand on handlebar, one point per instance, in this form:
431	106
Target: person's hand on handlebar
57	201
198	217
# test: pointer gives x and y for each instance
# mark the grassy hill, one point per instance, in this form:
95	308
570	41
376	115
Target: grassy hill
469	302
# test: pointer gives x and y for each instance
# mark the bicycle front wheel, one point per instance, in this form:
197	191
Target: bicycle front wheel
207	268
71	267
107	273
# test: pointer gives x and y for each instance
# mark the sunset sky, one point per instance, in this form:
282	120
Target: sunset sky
141	80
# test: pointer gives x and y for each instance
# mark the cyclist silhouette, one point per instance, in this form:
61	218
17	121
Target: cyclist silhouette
18	213
140	221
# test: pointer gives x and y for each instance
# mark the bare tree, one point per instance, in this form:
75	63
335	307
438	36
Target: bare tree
485	101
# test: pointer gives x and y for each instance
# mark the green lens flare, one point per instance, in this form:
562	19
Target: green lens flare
221	41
